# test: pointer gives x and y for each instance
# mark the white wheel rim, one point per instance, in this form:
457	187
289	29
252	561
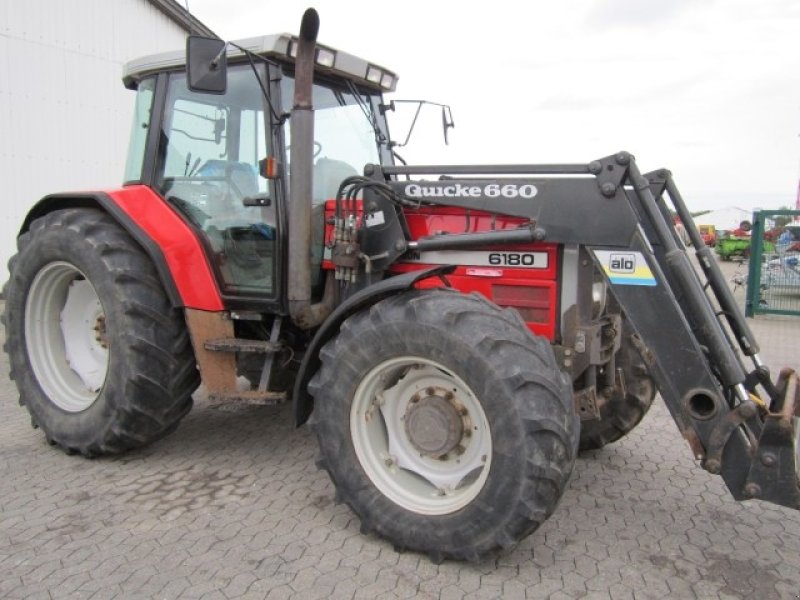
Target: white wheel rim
431	483
65	336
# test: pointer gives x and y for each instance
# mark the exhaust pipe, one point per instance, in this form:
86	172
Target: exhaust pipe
304	314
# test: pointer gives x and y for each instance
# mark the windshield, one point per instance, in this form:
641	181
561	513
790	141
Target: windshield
349	132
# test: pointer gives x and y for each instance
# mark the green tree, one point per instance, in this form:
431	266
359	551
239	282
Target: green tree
782	220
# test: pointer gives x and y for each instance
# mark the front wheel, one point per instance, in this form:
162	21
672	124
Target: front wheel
626	407
444	424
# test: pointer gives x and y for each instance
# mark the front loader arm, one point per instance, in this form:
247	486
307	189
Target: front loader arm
621	218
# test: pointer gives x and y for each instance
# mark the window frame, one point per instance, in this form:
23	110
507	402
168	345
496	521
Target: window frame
233	299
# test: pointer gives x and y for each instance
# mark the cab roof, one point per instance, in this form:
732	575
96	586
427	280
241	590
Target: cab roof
280	47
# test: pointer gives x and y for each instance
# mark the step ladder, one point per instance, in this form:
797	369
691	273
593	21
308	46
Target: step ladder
216	348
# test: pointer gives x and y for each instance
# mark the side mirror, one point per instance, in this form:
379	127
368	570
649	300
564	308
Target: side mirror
447	122
447	117
206	65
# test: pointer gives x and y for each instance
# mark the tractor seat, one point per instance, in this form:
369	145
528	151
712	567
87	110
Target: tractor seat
328	176
241	175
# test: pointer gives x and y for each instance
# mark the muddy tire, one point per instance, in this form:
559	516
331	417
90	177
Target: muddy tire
444	424
622	412
102	361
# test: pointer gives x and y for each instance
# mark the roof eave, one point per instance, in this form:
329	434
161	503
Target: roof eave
182	17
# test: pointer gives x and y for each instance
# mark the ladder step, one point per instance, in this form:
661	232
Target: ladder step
251	397
243	345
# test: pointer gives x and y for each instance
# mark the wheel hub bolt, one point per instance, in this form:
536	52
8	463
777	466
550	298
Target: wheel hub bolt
100	329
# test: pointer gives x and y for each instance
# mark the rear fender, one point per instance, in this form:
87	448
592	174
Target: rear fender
302	401
171	244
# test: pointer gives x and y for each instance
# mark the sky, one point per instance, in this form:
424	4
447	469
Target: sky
709	89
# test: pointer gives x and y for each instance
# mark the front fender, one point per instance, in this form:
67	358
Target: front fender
302	401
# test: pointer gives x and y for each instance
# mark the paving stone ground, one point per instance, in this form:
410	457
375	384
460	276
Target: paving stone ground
231	506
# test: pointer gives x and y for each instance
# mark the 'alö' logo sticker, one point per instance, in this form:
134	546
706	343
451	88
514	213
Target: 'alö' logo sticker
622	263
625	268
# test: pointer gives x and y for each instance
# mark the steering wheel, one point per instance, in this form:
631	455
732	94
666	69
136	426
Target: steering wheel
317	148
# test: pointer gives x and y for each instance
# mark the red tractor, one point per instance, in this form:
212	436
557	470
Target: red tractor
455	333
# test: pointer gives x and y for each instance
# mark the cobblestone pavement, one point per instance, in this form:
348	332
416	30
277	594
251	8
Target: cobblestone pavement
231	506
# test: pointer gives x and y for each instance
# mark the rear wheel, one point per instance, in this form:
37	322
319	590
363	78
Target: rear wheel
102	361
444	424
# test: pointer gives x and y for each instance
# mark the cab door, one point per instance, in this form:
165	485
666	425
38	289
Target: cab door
209	153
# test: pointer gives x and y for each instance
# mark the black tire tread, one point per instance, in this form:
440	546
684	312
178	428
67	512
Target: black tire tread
553	424
160	363
621	413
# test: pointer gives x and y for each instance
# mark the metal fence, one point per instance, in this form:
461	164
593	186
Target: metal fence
773	280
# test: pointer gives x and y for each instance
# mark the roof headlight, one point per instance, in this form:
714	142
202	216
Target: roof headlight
325	57
374	74
387	81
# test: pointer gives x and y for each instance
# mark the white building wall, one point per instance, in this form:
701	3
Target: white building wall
64	114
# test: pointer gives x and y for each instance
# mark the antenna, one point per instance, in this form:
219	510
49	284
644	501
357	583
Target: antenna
192	29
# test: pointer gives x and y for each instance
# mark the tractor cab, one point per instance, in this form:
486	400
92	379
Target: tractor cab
222	159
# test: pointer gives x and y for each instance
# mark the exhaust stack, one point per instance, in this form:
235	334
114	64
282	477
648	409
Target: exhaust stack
304	314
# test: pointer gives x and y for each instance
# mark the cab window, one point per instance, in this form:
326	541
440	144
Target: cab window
210	150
